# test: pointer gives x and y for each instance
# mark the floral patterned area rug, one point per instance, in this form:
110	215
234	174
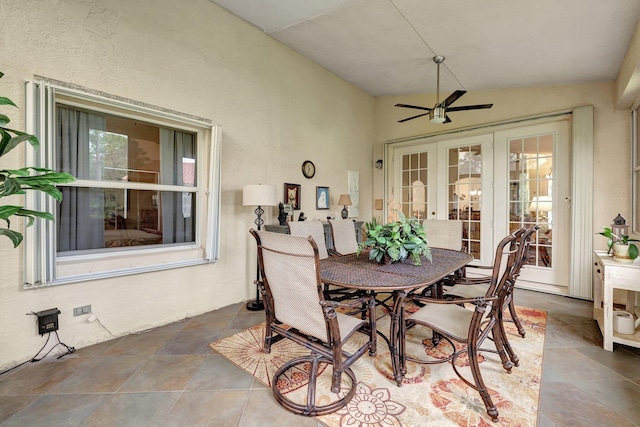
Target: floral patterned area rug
430	394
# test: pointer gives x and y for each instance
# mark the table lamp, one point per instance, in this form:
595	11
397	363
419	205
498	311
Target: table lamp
346	201
258	195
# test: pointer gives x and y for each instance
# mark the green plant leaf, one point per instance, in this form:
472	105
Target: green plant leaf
6	101
7	210
4	120
15	237
16	140
37	214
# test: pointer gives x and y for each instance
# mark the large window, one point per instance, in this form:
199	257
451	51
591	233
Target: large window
146	194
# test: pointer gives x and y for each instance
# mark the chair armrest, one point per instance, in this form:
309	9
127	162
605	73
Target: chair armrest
480	300
482	267
348	304
473	281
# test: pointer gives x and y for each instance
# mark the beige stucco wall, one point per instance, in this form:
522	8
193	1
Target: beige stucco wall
612	133
276	110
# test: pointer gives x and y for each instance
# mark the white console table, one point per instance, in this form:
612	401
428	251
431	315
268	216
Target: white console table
609	274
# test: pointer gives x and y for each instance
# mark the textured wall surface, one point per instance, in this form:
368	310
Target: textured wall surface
276	110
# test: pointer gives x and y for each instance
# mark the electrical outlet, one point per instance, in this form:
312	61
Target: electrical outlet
79	311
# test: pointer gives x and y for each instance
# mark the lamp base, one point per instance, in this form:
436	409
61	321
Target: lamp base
345	213
255	305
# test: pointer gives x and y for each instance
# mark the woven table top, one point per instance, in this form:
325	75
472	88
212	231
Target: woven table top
358	272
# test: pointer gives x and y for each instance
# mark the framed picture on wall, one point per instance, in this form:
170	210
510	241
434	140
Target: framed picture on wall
322	198
292	195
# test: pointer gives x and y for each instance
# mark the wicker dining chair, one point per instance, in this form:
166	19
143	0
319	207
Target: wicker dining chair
296	309
344	236
453	322
314	229
466	287
444	233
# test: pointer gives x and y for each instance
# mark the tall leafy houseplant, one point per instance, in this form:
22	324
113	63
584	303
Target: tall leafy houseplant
396	241
18	181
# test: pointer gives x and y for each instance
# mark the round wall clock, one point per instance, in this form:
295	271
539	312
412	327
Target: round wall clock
308	169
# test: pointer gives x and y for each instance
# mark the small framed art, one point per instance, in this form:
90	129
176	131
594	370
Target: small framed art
322	198
292	195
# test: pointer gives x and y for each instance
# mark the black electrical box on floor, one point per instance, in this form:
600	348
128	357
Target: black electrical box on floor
47	320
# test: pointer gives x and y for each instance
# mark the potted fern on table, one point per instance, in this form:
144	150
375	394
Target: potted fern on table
18	181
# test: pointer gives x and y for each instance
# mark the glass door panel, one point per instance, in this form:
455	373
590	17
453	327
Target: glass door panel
465	193
531	192
415	185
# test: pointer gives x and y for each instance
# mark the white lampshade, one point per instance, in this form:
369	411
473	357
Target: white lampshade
541	204
259	195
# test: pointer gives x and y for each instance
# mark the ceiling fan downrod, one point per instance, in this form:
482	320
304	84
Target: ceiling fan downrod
438	59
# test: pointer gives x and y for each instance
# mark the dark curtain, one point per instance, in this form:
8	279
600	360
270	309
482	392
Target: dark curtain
81	213
177	208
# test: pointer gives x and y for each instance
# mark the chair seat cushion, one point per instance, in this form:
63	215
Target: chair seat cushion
348	325
468	291
451	319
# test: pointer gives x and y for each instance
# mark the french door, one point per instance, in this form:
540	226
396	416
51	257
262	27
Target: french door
495	183
448	180
535	188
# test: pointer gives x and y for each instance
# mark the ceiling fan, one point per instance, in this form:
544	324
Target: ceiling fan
438	114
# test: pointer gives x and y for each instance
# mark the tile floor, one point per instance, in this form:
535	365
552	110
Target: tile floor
169	377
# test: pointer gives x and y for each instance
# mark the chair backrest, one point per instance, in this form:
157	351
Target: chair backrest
444	233
524	243
344	236
504	263
314	229
291	276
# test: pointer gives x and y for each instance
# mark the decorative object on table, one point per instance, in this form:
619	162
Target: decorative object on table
258	195
17	181
288	208
308	169
282	214
353	181
345	200
619	242
396	241
292	195
322	198
301	217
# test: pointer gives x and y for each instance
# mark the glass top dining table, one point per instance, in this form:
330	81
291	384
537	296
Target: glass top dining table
358	272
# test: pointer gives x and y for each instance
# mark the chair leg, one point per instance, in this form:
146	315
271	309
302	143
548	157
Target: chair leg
500	342
492	411
502	334
309	407
514	317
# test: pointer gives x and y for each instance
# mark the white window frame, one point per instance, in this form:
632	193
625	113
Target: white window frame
43	266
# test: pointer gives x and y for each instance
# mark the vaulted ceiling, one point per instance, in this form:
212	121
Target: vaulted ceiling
386	47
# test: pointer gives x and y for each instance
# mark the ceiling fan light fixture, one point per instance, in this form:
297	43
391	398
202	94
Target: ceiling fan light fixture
437	115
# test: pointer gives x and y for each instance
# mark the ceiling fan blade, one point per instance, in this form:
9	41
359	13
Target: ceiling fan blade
447	119
453	97
470	107
414	106
414	117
